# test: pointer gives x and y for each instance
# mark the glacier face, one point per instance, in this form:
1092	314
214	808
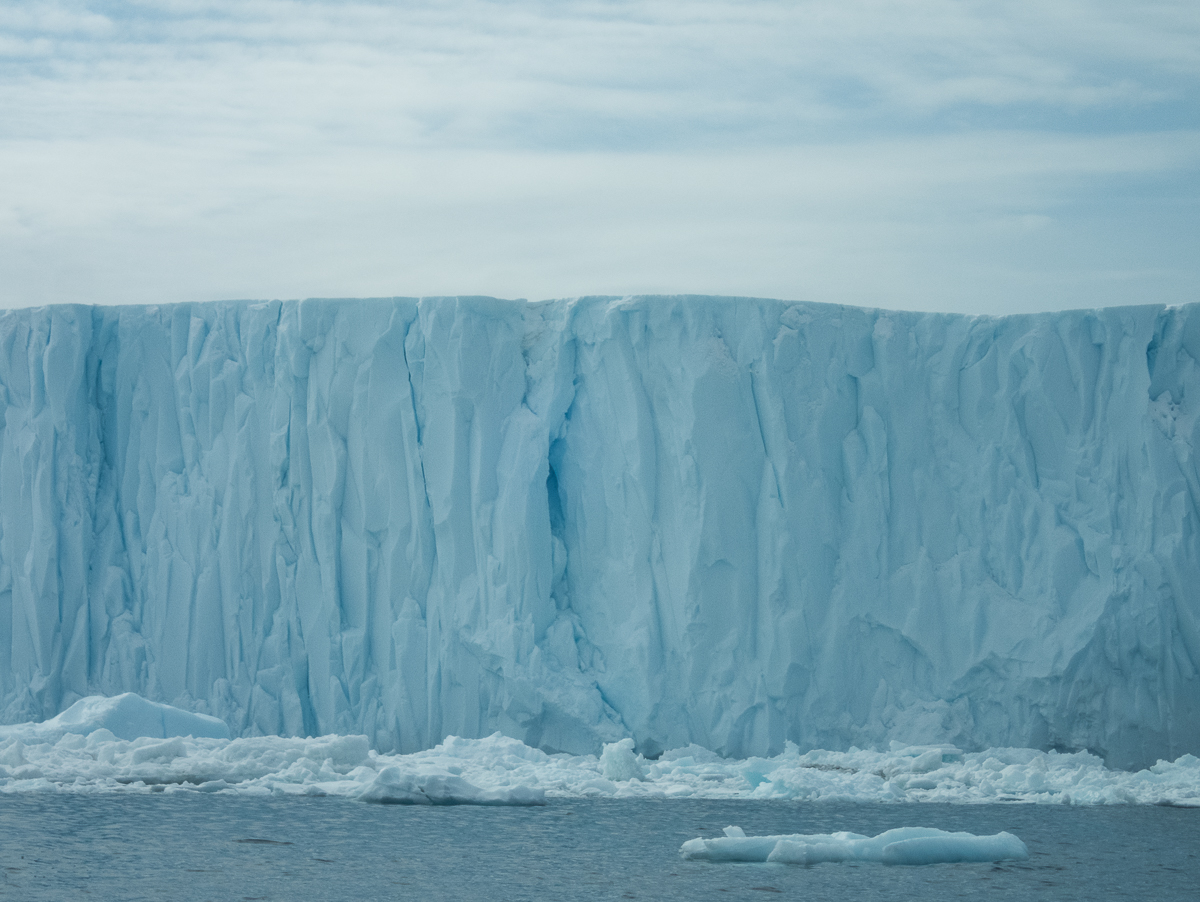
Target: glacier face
729	522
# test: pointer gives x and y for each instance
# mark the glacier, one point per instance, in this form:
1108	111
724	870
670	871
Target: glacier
729	522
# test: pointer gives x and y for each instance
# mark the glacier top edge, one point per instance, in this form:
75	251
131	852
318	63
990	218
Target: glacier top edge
632	299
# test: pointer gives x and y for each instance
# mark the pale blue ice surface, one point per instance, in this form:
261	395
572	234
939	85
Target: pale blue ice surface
898	846
734	523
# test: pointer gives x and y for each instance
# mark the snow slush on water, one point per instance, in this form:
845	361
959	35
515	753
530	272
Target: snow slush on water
92	747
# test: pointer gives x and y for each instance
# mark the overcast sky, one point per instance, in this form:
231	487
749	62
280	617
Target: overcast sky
932	154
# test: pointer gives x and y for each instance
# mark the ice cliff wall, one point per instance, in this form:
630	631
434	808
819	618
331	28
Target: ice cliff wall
725	521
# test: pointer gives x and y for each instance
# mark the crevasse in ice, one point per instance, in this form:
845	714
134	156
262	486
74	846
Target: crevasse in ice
728	522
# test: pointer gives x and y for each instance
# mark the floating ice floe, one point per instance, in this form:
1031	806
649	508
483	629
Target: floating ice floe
93	747
903	845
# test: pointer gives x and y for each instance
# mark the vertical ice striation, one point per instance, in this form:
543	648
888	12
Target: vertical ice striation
731	522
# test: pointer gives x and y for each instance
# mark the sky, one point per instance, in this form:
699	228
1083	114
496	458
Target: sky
941	155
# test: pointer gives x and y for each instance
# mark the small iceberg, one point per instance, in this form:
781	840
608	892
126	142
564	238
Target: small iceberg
394	786
903	845
127	716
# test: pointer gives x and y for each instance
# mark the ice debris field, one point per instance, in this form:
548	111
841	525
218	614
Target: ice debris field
89	749
750	526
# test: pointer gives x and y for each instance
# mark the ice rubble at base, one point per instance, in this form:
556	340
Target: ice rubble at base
902	845
729	522
501	770
130	744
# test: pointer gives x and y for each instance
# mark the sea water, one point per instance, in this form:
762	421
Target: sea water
201	847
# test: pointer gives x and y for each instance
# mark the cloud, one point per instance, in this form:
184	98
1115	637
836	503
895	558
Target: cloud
867	152
579	76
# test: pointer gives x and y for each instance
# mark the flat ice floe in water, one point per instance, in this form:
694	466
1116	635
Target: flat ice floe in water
93	747
903	845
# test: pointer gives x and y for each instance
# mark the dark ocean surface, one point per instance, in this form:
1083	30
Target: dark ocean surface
211	847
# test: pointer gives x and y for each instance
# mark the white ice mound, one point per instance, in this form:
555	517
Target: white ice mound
903	845
127	716
395	786
618	762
